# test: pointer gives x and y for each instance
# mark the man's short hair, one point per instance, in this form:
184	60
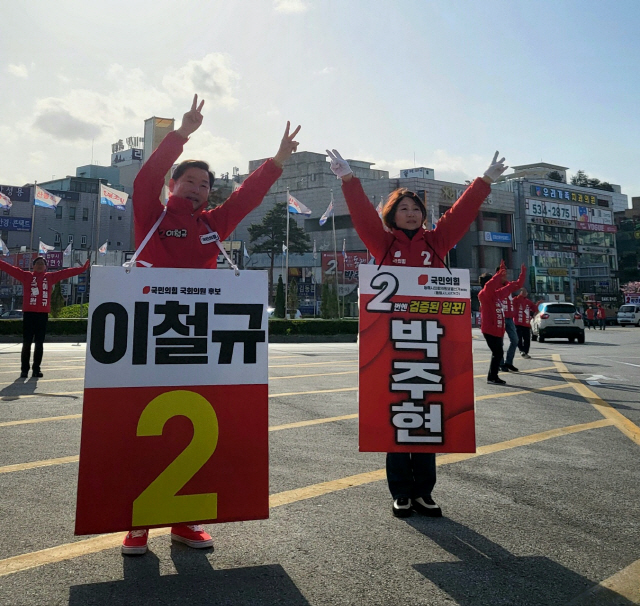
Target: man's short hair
187	164
484	278
39	259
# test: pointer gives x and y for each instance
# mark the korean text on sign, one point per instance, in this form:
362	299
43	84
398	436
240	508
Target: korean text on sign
175	409
416	370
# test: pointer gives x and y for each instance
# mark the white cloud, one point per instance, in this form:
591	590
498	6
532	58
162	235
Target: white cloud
325	71
290	6
220	153
212	78
82	114
20	71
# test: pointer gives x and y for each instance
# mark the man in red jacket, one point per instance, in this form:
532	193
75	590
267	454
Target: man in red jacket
183	234
591	316
601	315
36	304
524	308
494	289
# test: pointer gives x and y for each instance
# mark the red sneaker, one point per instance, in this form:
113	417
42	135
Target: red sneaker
192	535
135	543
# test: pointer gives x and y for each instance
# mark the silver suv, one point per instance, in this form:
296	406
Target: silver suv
557	320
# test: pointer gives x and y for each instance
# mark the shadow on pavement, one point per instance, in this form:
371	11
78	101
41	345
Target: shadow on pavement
196	583
488	574
27	387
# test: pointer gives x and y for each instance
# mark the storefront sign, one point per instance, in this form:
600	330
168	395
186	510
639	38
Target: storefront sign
16	194
598	250
416	367
175	425
596	227
552	222
492	236
562	194
15	223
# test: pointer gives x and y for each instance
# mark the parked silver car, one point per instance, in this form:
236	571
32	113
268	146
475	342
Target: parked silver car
629	314
557	320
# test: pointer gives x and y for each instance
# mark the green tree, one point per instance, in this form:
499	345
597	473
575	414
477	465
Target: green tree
268	236
580	178
279	305
324	301
554	175
292	303
57	301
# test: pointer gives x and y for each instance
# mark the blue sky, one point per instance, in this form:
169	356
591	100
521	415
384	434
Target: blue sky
449	82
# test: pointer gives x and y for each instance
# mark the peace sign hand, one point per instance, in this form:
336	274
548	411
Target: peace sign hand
192	120
287	146
496	168
339	166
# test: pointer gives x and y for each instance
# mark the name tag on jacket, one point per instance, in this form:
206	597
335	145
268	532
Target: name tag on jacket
210	237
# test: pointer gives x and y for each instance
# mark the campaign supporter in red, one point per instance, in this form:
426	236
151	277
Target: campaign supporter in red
524	310
406	242
494	289
506	364
37	286
601	314
184	235
591	317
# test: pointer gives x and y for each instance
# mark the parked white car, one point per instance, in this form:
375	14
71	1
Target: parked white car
557	321
629	314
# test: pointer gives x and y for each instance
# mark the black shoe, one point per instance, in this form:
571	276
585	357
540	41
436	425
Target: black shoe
504	368
24	375
37	374
511	368
427	507
496	381
401	507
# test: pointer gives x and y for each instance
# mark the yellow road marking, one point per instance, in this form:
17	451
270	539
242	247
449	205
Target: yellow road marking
39	420
48	368
522	372
84	547
628	428
303	393
313	364
625	583
478	361
312	422
507	394
326	374
36	464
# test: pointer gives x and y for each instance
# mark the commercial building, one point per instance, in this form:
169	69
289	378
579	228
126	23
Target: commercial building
568	233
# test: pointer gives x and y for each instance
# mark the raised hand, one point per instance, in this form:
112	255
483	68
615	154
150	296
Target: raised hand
339	166
287	146
496	168
192	120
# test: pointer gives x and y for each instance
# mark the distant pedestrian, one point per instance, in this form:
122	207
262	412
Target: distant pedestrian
37	286
590	313
601	314
494	289
523	310
506	364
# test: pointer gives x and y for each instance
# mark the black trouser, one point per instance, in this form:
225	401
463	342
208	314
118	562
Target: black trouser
524	338
411	474
34	328
495	345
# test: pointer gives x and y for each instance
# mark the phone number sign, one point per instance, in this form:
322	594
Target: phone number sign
175	424
415	356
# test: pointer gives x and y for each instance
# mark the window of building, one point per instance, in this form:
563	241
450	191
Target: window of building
72	213
56	240
70	239
83	241
58	212
119	218
93	188
85	214
118	243
6	211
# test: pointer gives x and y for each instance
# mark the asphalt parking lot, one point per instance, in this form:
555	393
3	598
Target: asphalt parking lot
546	512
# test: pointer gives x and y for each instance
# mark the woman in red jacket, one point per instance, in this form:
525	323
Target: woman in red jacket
36	304
524	308
411	476
492	323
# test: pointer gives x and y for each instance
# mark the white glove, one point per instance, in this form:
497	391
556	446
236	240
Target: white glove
496	168
339	166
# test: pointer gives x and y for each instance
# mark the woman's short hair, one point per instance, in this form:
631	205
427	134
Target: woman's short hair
39	259
391	205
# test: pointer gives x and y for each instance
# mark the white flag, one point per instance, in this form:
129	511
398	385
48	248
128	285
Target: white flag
43	248
113	197
315	252
246	254
328	212
284	248
103	249
296	207
4	247
67	251
45	199
5	201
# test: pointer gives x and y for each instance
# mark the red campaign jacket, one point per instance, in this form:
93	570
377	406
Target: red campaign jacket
523	310
37	286
601	314
491	312
396	248
176	241
590	313
507	306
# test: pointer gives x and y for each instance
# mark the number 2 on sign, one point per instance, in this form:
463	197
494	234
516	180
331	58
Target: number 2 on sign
159	502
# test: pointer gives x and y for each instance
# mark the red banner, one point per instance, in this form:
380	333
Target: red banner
331	264
416	366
